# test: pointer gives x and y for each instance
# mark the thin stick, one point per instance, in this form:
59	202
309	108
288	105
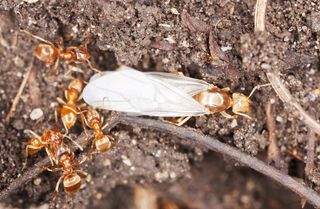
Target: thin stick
286	97
259	16
18	95
197	139
273	150
217	146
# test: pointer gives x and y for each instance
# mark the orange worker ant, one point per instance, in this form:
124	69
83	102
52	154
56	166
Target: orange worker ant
59	154
70	109
47	52
64	158
101	142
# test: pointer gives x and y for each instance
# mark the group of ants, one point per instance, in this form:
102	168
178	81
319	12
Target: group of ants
52	140
61	156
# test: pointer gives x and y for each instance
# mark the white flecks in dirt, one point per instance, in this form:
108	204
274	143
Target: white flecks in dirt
36	114
126	160
37	181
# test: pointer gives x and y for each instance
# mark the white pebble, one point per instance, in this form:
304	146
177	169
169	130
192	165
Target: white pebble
279	119
174	11
234	123
37	181
36	114
126	160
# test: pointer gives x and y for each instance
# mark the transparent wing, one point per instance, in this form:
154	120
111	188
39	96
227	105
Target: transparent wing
128	90
188	85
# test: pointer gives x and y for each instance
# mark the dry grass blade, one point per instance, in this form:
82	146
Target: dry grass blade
287	98
273	150
16	99
259	16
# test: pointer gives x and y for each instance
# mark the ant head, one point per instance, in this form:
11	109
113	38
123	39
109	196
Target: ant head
46	53
72	183
102	143
241	103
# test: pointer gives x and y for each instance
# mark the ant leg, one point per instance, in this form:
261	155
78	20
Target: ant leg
61	101
81	173
86	41
37	37
56	110
74	142
50	156
178	122
53	169
183	121
60	43
92	68
32	133
226	89
244	115
72	68
59	182
65	128
84	122
258	87
226	115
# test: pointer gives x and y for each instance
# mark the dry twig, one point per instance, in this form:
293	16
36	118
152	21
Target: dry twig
287	98
16	99
259	16
278	86
217	146
194	138
273	150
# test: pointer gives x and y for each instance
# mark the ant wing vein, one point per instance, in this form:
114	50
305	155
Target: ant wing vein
188	85
131	91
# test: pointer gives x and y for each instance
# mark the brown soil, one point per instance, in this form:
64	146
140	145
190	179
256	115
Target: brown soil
211	40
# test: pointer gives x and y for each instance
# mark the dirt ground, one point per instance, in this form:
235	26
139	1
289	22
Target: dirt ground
211	40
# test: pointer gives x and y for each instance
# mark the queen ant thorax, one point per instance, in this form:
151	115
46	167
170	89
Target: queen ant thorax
47	52
101	142
70	109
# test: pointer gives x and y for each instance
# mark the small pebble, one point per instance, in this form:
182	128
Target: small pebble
37	181
30	1
279	119
174	11
234	123
98	196
265	66
126	160
36	114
